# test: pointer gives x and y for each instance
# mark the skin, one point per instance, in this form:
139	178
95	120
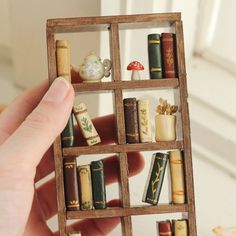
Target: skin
28	128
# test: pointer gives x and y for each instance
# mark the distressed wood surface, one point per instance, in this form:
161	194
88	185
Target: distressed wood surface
114	24
130	211
134	84
118	148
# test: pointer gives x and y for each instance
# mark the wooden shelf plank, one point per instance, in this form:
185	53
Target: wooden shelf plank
121	212
134	84
118	148
79	24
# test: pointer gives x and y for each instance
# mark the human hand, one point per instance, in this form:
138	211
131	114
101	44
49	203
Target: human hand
27	129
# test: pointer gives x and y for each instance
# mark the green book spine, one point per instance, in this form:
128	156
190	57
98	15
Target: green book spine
154	56
155	179
98	184
67	135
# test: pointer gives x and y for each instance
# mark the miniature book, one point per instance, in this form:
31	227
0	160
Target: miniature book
98	184
74	234
71	184
164	228
67	135
180	227
131	120
155	179
86	125
85	187
154	56
145	131
168	55
177	177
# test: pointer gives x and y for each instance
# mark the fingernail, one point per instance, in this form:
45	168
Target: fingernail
57	91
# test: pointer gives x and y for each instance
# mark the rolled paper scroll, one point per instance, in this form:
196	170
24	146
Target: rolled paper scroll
145	132
177	177
85	123
63	59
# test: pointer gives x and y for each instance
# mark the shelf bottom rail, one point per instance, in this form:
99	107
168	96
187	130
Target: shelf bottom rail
121	212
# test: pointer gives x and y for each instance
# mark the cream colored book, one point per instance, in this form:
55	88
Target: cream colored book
85	187
145	132
180	228
86	125
63	59
177	177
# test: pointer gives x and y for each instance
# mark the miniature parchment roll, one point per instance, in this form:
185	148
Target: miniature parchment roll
145	132
85	123
180	228
63	59
177	177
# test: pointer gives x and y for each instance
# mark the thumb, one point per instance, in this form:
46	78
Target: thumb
35	135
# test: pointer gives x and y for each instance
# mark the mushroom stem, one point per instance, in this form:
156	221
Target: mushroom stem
135	75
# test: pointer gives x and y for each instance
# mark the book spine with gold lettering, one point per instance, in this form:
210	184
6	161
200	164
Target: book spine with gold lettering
177	177
155	179
154	56
180	228
98	184
67	135
131	120
85	187
164	228
168	55
71	184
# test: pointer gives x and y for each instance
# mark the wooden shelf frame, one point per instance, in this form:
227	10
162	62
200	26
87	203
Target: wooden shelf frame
114	24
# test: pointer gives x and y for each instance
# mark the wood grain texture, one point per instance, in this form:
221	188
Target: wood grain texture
79	24
134	84
114	24
186	128
117	148
131	211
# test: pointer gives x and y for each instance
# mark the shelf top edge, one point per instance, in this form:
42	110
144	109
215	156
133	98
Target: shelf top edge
60	23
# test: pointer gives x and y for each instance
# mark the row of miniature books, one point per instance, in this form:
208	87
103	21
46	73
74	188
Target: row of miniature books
84	185
138	121
174	227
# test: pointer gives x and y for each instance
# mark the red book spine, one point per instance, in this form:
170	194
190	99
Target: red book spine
169	55
165	228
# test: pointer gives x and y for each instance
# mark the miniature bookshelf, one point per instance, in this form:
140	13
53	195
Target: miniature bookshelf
113	23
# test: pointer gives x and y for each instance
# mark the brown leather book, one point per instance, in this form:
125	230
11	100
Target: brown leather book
131	120
71	184
164	228
169	64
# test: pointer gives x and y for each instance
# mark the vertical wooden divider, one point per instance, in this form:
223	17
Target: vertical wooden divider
186	129
120	127
58	159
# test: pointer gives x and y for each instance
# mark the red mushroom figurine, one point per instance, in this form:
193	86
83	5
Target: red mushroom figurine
135	66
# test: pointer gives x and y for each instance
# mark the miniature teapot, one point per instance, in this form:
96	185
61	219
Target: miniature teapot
93	70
